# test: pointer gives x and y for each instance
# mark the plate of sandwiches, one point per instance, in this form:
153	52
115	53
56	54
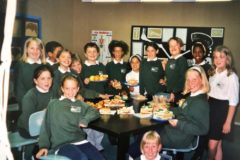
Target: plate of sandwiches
125	110
131	83
162	115
106	110
98	78
139	97
114	103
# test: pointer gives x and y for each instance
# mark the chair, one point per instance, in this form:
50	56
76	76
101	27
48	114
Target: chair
54	157
35	122
190	148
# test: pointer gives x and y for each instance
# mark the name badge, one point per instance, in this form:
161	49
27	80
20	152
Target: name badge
154	69
123	70
75	109
172	66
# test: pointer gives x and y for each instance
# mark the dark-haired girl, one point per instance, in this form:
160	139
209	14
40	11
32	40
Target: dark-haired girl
62	131
117	68
151	72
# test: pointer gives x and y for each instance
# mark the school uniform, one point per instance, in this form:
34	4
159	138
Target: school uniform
61	131
134	75
117	71
193	119
24	77
33	101
151	72
91	70
175	75
159	157
53	65
58	76
224	92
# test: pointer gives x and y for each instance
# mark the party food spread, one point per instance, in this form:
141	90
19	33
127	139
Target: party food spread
96	78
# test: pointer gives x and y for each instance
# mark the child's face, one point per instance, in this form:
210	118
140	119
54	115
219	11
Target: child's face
174	48
198	54
65	59
76	66
135	64
53	55
44	81
151	149
33	51
91	54
70	89
220	60
151	52
194	81
118	53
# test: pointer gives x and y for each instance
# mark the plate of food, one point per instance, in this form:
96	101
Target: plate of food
131	83
114	103
146	109
98	78
139	97
162	115
125	110
106	110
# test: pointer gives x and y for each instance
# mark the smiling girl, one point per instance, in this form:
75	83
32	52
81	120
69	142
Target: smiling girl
223	99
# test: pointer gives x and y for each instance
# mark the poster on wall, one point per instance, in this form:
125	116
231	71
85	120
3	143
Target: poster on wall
210	36
102	39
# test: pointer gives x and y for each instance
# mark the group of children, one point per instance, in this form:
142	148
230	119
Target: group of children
61	82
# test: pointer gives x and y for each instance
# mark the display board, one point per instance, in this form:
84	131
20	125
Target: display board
210	36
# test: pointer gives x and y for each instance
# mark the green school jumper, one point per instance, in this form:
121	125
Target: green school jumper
33	101
61	123
175	74
150	74
118	72
58	76
92	70
24	78
193	119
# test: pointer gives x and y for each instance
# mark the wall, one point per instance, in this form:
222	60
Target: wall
118	17
57	18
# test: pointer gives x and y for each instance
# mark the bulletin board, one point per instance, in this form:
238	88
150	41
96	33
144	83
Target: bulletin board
210	36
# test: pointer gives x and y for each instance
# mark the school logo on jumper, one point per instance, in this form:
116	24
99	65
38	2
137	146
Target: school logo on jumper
75	109
154	69
172	66
220	85
123	70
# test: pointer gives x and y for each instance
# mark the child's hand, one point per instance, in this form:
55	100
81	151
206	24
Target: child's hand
171	98
82	125
131	89
162	82
105	96
86	81
226	128
173	122
42	152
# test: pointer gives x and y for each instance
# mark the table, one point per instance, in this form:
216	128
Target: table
122	126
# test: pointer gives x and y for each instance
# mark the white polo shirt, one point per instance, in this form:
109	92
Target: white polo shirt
225	87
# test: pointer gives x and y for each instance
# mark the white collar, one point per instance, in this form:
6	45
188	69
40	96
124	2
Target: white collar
30	61
154	59
116	62
178	56
63	71
50	62
41	90
196	93
144	158
200	64
89	64
62	98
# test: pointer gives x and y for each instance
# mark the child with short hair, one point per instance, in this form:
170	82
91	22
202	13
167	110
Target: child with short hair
151	72
61	132
175	69
33	56
117	68
52	48
76	64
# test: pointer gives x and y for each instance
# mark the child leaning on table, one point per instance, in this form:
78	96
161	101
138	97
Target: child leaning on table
62	132
151	146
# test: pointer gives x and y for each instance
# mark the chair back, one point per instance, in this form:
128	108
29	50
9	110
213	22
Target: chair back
35	122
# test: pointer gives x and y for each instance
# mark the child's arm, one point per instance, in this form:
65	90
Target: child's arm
227	125
42	152
89	114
